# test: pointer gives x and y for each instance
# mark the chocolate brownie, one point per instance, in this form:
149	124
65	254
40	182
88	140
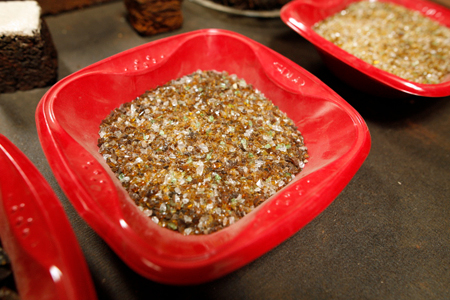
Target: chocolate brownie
149	17
28	58
51	7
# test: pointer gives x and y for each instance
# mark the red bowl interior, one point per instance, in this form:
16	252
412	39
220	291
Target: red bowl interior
301	15
46	259
68	119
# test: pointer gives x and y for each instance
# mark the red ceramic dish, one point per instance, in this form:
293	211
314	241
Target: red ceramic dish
301	15
68	119
46	260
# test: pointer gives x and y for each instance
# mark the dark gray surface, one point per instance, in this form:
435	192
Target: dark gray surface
386	236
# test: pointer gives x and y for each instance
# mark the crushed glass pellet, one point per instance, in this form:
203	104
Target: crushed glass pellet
392	38
200	152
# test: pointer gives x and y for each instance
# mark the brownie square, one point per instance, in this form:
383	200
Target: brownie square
149	17
27	61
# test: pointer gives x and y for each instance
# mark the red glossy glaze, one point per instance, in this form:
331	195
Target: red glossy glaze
45	256
68	119
301	15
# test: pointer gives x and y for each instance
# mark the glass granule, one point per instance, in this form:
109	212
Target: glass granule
392	38
199	153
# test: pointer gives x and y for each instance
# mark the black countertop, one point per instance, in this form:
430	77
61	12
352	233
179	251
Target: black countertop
386	236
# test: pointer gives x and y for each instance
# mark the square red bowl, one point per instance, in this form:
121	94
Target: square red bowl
46	259
68	119
301	15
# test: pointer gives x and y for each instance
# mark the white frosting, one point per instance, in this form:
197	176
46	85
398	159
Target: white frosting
21	18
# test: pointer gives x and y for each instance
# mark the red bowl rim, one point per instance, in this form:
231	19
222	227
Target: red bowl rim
46	259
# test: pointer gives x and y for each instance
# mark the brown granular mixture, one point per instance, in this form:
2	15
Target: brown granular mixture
392	38
202	151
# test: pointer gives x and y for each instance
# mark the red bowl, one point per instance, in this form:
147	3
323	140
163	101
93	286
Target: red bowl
68	119
301	15
46	259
